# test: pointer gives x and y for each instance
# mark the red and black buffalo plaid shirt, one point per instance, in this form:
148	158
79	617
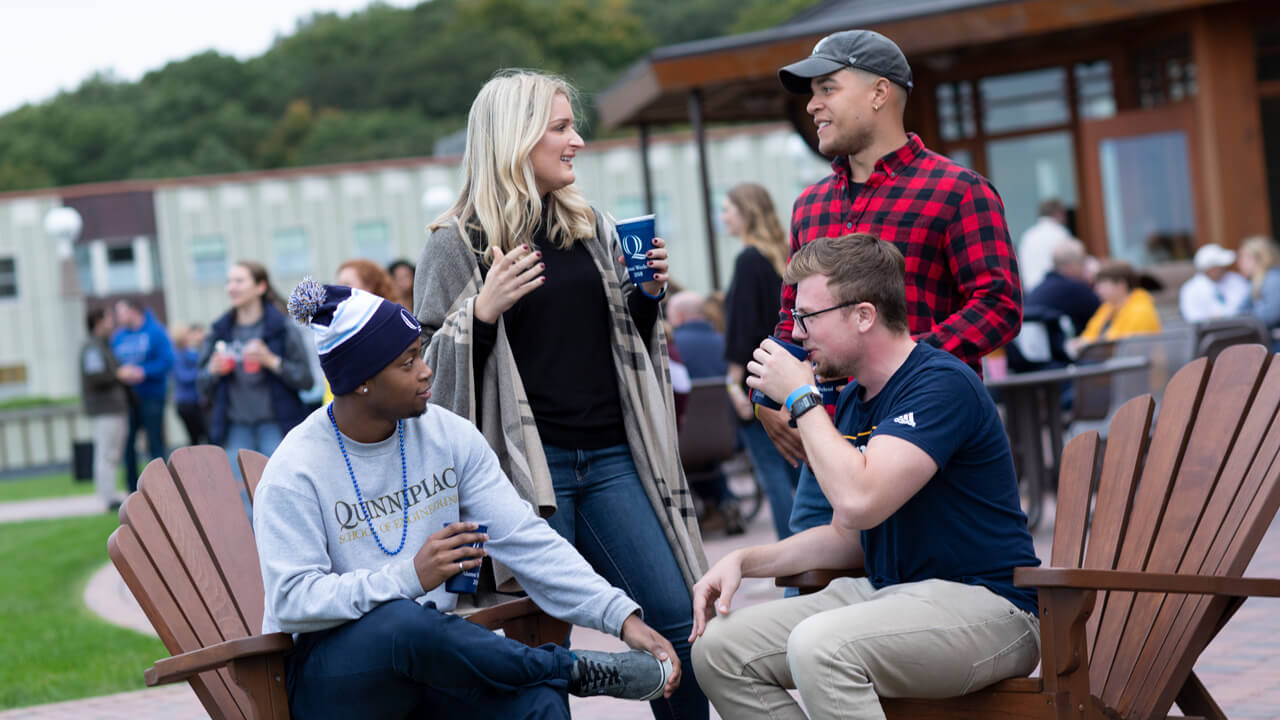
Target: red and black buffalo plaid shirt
963	291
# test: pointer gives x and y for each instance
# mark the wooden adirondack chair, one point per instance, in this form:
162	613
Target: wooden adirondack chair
1142	579
185	549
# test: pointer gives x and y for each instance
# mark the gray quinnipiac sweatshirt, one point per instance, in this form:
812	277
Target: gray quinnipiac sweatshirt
321	567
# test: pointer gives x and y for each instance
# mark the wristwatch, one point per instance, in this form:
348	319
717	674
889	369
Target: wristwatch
804	404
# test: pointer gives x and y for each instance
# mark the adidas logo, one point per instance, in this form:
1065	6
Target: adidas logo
906	419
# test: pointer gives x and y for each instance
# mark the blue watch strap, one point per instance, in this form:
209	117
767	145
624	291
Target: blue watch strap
795	394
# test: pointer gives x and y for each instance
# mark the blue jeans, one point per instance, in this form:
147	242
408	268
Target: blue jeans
776	475
403	659
263	437
146	414
604	512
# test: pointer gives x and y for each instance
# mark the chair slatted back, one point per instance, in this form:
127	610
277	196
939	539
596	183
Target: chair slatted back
252	463
1195	496
709	434
185	549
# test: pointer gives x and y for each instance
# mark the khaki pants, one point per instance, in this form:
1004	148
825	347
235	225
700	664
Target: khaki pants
845	647
108	443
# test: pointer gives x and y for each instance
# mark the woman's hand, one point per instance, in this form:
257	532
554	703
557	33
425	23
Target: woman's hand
657	262
512	276
741	403
256	350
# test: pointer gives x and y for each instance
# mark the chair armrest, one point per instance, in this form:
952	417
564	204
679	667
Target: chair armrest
1136	581
811	580
181	667
494	616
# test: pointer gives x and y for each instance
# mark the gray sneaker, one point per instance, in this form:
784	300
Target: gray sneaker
631	675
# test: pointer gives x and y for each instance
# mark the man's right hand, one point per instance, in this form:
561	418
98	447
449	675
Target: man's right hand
713	594
512	276
785	437
447	553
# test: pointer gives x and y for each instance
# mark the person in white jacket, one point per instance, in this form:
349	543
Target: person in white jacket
372	503
1215	291
1035	247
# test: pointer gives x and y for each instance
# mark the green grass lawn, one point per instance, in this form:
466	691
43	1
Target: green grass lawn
53	647
48	486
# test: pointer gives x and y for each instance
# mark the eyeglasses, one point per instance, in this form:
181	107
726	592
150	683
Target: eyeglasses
800	318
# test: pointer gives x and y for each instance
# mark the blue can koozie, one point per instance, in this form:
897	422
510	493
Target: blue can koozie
636	236
830	390
760	398
467	580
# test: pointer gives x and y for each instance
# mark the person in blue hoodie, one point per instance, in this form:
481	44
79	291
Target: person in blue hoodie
186	373
141	345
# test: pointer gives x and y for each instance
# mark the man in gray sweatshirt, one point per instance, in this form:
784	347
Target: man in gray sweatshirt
367	508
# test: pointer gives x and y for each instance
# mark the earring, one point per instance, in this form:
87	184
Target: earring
364	390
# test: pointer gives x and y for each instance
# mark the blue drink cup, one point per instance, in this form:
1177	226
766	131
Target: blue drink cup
765	401
636	236
467	580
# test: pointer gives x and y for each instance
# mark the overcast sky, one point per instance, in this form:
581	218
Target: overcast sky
51	45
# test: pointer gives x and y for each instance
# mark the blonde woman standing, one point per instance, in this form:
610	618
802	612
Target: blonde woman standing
751	311
1259	262
537	334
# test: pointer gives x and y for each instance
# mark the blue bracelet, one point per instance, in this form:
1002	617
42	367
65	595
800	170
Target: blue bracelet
659	296
798	393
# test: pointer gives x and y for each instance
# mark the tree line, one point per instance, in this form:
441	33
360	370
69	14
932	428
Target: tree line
380	83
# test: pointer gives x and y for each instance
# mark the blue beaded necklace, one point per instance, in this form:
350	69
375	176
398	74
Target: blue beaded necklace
404	489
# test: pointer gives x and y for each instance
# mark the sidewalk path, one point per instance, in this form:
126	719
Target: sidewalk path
49	508
1239	667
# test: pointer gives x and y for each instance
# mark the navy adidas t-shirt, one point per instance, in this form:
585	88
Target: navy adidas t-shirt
966	524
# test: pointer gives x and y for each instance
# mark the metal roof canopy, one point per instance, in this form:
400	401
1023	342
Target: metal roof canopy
737	74
735	78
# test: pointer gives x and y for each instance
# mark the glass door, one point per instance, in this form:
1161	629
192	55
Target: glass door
1139	172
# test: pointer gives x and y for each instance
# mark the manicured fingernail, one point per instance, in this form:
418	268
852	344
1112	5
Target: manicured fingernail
525	247
542	266
538	253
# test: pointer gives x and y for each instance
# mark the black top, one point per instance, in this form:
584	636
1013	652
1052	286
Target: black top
751	305
561	339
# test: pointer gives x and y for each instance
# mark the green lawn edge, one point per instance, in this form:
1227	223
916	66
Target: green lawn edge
55	648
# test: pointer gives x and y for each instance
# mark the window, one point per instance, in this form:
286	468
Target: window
208	259
955	111
289	254
122	272
1164	73
8	277
372	241
1024	100
1095	93
83	255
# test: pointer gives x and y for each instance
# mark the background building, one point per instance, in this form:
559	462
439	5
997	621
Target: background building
1156	121
169	243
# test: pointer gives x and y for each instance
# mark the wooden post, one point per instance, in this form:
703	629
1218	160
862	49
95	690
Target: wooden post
1229	127
700	137
646	172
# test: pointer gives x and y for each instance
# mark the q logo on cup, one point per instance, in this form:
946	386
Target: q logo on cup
633	246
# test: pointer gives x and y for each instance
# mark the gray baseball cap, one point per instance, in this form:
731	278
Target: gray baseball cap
861	49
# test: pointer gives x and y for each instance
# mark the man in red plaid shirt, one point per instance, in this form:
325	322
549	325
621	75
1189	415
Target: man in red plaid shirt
963	292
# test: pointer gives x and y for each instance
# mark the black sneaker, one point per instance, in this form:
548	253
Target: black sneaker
632	675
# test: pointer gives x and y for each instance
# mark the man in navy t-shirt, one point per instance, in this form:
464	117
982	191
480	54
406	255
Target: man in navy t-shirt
919	475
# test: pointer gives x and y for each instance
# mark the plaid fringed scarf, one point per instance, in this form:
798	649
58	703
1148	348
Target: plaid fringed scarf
445	288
